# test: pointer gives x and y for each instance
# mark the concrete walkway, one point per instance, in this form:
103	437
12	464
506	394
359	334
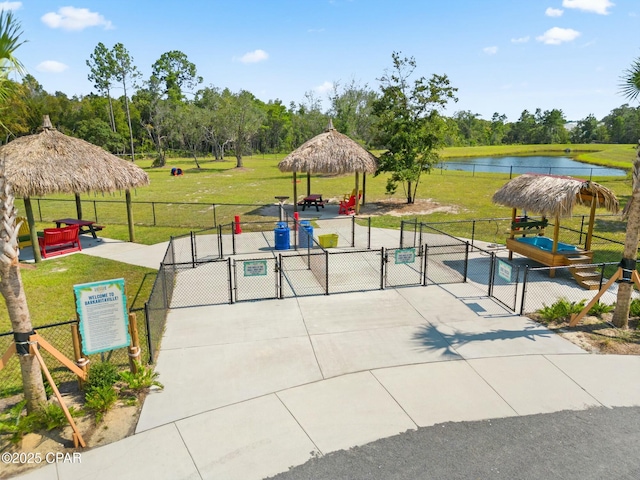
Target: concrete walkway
254	388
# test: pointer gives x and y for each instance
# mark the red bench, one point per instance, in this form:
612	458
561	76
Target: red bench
56	241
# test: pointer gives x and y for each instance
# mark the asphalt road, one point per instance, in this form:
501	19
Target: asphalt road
598	443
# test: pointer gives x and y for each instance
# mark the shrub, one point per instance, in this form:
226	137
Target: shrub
101	375
599	308
51	416
562	309
634	310
143	379
100	400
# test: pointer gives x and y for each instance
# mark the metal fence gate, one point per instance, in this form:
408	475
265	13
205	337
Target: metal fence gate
503	283
255	279
404	266
446	263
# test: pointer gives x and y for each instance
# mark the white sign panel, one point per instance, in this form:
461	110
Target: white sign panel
504	270
102	309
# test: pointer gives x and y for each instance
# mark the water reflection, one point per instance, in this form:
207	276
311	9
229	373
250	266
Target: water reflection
556	165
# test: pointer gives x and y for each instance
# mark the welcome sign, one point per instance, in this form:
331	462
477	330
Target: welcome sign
102	309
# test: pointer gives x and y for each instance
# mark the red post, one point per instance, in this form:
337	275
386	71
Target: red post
238	229
296	216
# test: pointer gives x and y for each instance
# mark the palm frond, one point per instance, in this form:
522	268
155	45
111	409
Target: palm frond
630	85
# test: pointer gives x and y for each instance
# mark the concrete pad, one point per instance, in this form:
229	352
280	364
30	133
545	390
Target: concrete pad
244	322
532	384
346	411
357	311
610	379
134	253
348	352
496	337
437	305
200	379
44	472
443	392
250	440
157	454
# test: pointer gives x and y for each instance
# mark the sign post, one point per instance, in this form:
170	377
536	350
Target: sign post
102	310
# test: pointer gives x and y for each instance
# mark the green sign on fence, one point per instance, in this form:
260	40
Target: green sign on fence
255	268
405	255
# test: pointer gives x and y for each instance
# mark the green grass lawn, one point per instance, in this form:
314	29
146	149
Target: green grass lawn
49	286
220	183
50	283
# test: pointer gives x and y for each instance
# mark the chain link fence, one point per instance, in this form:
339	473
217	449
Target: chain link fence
59	335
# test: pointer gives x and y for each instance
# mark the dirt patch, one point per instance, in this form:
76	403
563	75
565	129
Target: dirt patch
599	335
398	208
120	422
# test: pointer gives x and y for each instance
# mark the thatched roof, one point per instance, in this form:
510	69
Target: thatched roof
51	162
329	152
553	195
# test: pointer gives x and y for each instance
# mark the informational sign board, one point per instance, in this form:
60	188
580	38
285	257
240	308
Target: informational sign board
255	268
505	270
405	255
102	309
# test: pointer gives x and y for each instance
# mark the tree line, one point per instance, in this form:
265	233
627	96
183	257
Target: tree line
171	112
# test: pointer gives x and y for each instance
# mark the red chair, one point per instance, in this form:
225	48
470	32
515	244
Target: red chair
347	206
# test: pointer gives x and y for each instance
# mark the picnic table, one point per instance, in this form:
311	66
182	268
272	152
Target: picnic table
312	200
85	226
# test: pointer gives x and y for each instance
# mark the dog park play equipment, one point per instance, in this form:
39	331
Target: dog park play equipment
553	196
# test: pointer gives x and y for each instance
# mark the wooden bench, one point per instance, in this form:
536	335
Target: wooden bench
57	241
524	227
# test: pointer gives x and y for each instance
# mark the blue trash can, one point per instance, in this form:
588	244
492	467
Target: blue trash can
305	234
281	233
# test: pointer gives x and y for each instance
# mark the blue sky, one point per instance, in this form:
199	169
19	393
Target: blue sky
503	55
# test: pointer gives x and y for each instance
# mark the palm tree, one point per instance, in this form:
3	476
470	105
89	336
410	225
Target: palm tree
630	88
9	41
11	286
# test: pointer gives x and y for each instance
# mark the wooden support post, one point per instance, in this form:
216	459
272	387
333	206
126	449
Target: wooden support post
592	219
295	192
81	362
77	437
11	349
134	349
512	235
58	355
575	318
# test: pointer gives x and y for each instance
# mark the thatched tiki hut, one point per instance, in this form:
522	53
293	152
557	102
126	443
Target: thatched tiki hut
329	152
51	162
553	197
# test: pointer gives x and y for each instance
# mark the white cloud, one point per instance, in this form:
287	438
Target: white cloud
71	18
557	35
595	6
326	87
553	12
520	40
490	50
10	5
51	66
254	57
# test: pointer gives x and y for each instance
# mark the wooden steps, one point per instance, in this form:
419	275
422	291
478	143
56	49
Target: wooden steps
585	274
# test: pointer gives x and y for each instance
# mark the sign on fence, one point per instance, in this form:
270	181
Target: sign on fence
505	270
102	309
255	268
405	255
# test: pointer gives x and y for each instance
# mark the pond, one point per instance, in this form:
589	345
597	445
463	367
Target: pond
556	165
